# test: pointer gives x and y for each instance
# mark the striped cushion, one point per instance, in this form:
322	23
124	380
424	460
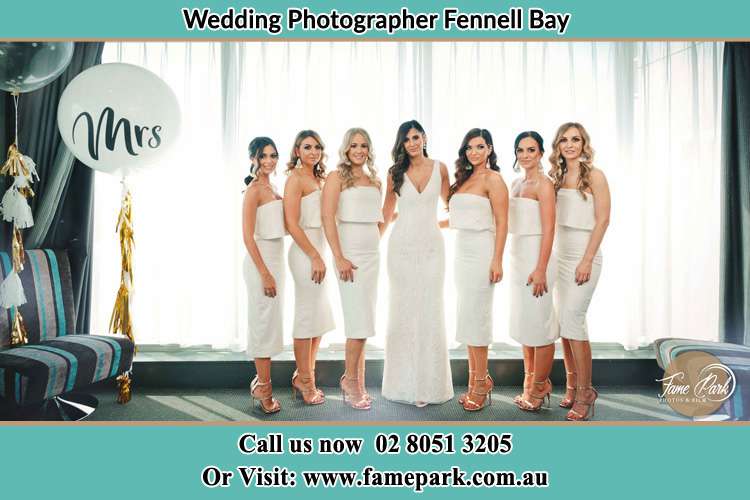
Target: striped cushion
33	373
48	312
734	356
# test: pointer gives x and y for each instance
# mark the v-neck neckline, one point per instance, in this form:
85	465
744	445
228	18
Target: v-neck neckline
429	178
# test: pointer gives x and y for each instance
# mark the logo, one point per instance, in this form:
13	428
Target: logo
695	384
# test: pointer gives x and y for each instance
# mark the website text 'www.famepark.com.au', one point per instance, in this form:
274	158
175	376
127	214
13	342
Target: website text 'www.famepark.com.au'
369	477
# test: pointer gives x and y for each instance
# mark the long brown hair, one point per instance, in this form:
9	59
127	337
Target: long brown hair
400	156
319	169
464	169
559	166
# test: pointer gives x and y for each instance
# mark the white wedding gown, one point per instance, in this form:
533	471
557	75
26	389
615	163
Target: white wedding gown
417	370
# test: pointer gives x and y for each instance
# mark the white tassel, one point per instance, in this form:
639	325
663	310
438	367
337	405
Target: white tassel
31	166
16	209
11	291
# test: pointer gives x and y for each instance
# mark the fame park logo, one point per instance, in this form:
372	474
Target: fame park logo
696	384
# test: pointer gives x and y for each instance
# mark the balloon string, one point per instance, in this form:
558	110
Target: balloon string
15	103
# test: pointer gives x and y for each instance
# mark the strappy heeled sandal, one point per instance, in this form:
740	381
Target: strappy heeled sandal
310	395
358	401
475	404
261	392
462	397
526	376
536	401
567	402
577	416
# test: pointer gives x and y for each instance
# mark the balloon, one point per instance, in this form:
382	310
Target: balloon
118	118
27	66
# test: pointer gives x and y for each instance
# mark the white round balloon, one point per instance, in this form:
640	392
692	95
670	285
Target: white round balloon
118	118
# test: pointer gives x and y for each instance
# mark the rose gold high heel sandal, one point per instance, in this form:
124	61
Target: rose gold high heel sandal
527	376
536	402
320	391
462	397
262	391
567	402
575	415
310	395
353	400
478	399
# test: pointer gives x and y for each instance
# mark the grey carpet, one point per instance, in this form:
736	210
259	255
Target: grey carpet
211	405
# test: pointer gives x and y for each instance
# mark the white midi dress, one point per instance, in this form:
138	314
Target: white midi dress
416	369
575	221
532	320
265	326
312	310
471	215
358	214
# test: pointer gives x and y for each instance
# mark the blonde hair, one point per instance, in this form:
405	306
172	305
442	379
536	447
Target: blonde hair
559	167
344	166
320	168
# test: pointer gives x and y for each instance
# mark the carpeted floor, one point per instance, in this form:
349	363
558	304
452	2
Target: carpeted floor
614	404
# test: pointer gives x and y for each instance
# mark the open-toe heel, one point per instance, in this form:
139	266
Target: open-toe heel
585	407
536	399
480	395
356	400
262	392
306	389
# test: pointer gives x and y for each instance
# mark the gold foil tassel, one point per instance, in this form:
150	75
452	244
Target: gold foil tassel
120	322
14	164
18	253
123	388
18	331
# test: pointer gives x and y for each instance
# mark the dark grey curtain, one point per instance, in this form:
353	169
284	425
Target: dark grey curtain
65	188
735	189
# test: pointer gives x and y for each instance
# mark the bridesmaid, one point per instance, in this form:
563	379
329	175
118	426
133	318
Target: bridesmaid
263	268
352	195
532	223
478	205
312	312
583	204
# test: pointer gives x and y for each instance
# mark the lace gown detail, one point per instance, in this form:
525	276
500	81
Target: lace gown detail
416	369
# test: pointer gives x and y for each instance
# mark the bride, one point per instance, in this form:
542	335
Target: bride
417	370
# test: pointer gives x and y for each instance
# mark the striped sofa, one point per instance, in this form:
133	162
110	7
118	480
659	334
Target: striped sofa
734	356
57	359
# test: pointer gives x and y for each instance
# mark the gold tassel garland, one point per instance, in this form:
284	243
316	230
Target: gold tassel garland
18	331
120	321
123	388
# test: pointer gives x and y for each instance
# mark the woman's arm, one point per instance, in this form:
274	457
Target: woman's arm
602	201
331	193
292	204
498	194
389	206
249	212
546	197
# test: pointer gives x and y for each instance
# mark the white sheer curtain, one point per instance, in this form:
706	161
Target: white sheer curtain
651	109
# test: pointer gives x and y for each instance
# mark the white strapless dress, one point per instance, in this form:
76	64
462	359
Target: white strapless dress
358	214
532	320
472	216
265	326
417	370
312	310
575	220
